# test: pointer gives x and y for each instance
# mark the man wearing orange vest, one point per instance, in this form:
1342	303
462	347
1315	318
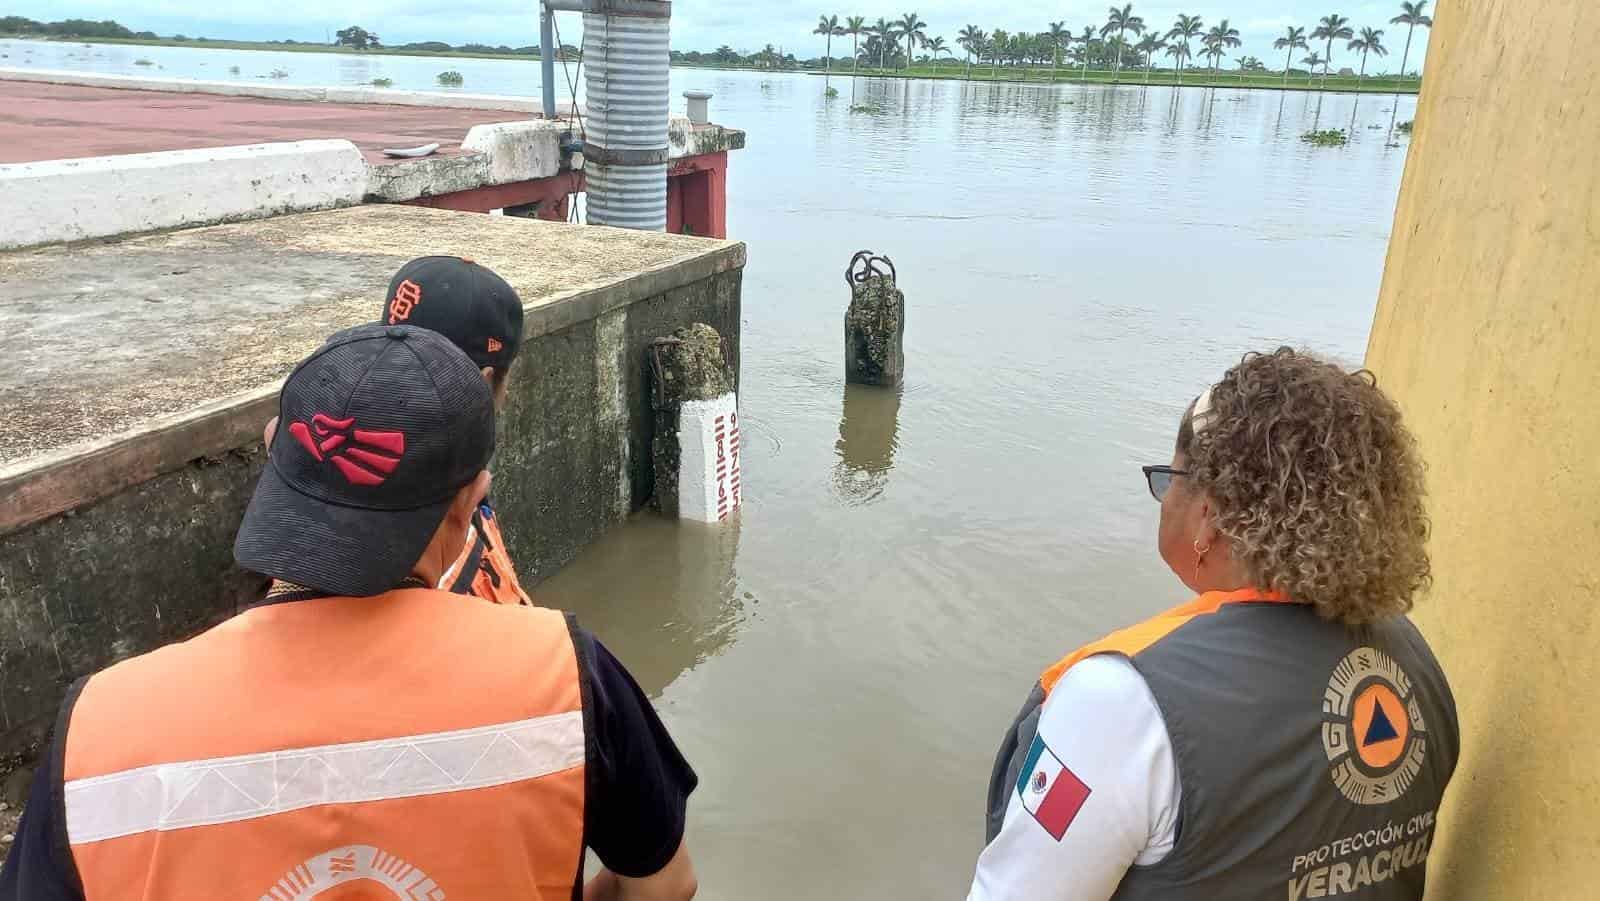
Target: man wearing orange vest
360	734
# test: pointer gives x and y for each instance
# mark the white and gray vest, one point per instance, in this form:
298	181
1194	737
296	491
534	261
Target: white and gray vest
1312	756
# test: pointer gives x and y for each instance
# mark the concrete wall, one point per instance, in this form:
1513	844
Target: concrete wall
1488	334
153	563
72	200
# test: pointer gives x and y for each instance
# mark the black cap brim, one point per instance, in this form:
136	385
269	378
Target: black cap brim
333	549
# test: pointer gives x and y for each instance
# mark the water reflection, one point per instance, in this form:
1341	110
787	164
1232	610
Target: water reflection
869	433
663	596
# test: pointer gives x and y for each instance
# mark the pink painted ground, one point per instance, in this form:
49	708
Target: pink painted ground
45	121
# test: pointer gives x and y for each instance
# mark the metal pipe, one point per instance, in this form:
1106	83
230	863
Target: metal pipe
627	73
547	58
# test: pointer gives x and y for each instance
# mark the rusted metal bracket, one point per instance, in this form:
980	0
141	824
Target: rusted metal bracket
658	370
594	153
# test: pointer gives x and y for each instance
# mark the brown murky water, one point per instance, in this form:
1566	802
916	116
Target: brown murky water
1078	263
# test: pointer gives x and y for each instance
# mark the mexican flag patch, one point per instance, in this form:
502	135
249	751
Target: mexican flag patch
1050	792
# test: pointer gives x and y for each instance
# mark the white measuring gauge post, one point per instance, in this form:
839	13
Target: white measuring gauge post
709	483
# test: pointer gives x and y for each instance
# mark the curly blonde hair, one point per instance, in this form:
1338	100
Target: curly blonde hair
1318	485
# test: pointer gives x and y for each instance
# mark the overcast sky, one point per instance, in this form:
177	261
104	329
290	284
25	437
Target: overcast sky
704	24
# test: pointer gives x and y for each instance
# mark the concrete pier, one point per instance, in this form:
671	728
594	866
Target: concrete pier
102	155
137	375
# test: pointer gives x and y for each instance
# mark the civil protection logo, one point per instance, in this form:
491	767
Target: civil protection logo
1372	728
383	874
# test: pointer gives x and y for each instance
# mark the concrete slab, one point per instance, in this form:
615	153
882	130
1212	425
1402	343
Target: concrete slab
56	121
103	342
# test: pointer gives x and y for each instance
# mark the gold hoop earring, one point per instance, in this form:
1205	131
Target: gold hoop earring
1200	552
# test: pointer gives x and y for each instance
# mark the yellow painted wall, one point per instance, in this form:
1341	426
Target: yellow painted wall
1488	334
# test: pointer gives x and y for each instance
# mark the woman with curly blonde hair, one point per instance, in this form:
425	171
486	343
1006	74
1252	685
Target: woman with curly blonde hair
1287	733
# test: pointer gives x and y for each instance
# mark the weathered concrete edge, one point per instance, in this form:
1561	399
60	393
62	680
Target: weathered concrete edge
83	473
334	94
105	196
595	300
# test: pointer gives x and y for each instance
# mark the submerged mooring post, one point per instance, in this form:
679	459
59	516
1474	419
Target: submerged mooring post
875	325
696	444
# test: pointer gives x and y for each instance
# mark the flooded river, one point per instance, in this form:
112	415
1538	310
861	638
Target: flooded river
1078	262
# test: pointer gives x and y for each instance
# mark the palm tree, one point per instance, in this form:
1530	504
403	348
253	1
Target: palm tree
1185	29
1122	21
996	46
1059	37
1370	41
1179	52
971	39
1087	39
1332	26
1249	64
1313	61
1148	45
1017	51
885	33
1293	39
999	42
1411	15
828	25
1219	40
936	46
915	31
855	26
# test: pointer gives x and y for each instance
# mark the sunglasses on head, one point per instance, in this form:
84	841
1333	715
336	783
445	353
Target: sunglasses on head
1160	479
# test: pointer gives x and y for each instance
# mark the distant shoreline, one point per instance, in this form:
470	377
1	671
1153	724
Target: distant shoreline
953	72
273	46
1345	84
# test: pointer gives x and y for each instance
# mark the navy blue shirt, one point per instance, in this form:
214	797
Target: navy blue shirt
637	792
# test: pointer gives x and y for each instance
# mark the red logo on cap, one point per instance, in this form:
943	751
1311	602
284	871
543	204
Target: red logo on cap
406	296
364	456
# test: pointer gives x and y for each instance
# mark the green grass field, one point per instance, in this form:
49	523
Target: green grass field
1191	78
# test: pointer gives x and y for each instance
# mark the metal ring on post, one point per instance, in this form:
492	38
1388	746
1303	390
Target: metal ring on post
864	265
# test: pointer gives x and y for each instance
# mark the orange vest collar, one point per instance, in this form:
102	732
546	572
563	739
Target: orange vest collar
1218	599
1136	638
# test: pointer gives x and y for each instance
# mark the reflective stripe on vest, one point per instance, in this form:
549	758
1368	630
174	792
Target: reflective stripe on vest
408	740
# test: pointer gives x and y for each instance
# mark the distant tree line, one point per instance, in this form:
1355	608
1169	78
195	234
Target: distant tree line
769	57
889	44
70	28
354	37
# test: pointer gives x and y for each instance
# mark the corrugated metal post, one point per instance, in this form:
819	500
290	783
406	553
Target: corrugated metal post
547	59
627	65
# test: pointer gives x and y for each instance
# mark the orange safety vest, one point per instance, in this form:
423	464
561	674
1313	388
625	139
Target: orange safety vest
483	568
405	745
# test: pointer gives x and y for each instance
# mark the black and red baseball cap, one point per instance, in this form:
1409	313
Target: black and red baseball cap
377	433
462	300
